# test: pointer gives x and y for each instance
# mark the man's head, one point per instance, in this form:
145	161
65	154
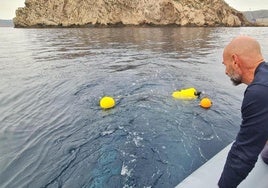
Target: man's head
241	57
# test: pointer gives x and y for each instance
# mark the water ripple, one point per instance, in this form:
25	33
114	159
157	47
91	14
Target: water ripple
53	133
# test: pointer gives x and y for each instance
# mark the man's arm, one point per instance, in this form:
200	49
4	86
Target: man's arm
250	140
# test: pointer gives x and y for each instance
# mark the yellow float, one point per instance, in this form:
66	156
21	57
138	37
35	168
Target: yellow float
107	102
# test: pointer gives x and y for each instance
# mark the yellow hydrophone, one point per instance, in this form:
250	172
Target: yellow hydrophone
186	94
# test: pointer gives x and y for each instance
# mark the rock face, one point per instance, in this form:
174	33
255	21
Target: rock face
83	13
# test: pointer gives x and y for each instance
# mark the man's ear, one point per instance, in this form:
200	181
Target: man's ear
235	59
236	63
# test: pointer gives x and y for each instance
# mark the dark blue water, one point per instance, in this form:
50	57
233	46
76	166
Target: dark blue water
54	134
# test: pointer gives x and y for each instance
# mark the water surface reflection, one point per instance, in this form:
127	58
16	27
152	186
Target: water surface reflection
53	133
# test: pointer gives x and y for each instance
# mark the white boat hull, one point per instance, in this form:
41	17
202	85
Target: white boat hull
209	173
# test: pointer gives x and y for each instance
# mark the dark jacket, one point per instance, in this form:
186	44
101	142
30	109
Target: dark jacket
253	132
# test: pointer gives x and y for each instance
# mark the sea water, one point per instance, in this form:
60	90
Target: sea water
54	134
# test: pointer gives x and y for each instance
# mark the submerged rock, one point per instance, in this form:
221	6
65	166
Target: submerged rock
85	13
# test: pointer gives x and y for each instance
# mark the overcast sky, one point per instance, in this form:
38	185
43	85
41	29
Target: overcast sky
8	7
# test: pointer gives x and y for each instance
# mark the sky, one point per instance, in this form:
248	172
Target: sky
8	7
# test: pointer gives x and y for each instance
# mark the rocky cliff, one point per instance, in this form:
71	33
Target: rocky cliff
78	13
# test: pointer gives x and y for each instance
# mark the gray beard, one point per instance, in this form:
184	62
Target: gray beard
236	81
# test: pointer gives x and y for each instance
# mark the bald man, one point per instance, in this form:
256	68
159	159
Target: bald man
244	63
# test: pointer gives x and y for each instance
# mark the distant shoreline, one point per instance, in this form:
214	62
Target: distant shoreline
258	16
6	23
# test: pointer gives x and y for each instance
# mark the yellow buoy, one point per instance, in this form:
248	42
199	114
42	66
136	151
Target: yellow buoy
185	94
107	102
205	103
